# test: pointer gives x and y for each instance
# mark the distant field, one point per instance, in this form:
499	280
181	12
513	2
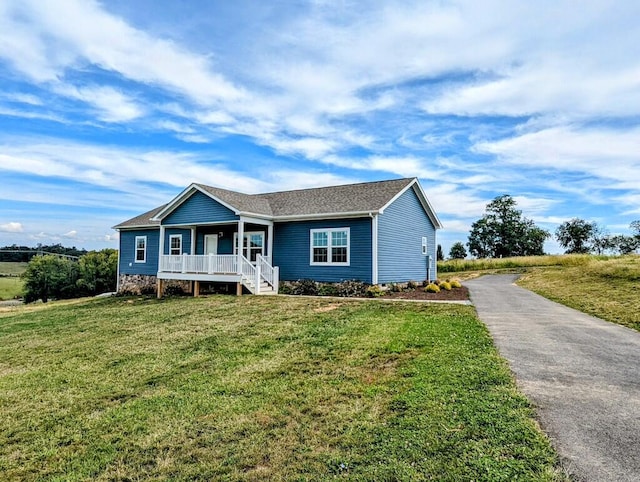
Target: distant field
10	287
260	388
604	286
12	268
518	262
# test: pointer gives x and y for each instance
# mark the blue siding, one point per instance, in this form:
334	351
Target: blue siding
186	239
400	232
200	208
128	252
225	243
291	251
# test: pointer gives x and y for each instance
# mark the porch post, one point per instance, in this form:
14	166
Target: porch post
193	240
270	243
240	244
160	286
161	243
196	288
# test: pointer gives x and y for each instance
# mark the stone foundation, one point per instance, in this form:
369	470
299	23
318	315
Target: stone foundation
141	284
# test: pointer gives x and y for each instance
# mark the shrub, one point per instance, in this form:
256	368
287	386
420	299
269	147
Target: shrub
328	289
425	283
285	288
436	282
305	287
445	285
455	283
351	288
412	285
432	288
395	288
374	291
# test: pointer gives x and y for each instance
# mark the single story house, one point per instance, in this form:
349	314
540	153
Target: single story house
374	232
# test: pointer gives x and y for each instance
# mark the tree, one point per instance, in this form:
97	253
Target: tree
503	232
457	251
48	277
98	272
575	235
625	244
635	227
439	255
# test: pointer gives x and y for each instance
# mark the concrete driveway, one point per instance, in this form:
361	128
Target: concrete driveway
582	374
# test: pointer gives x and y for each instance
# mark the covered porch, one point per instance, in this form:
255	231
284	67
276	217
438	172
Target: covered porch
211	253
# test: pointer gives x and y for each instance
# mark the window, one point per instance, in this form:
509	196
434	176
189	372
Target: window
141	249
252	246
330	246
424	245
175	244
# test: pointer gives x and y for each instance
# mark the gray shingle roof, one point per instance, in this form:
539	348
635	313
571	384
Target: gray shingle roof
333	200
143	220
349	198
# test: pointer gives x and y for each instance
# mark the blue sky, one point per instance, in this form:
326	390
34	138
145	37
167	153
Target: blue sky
108	109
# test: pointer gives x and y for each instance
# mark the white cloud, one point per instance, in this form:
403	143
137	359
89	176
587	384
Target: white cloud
11	227
73	234
113	105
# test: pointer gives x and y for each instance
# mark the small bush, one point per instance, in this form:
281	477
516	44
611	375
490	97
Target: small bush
425	283
374	291
351	288
432	288
305	287
395	288
328	289
285	288
455	283
412	285
445	285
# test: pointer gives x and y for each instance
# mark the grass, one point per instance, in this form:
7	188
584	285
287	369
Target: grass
10	282
608	288
12	268
517	262
10	287
260	388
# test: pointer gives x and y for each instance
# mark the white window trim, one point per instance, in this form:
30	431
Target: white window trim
135	252
425	245
247	234
175	236
329	246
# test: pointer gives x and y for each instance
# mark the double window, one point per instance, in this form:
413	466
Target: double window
175	244
252	246
141	249
330	246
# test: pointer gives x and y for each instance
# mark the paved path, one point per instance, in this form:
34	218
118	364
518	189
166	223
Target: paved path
582	373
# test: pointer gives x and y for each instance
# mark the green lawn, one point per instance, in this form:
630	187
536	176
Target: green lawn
260	388
608	288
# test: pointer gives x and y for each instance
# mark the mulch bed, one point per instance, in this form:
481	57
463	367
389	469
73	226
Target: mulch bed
456	294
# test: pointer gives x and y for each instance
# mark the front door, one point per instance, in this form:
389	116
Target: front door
211	244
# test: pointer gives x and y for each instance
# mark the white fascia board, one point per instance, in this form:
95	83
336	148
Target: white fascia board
183	196
422	197
256	220
139	226
310	217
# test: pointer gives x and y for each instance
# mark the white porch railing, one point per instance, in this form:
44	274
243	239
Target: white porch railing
252	275
267	272
199	263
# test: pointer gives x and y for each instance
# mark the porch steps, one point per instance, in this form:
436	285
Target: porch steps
265	288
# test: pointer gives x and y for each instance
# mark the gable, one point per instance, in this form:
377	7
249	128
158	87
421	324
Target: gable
199	208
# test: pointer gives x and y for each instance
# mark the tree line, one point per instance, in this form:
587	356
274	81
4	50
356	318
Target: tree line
23	254
55	277
504	232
